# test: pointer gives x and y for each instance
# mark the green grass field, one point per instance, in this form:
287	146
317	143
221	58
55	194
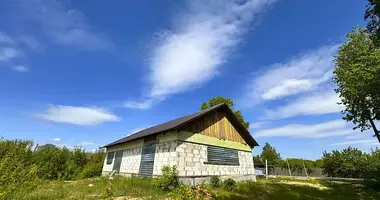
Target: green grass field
273	189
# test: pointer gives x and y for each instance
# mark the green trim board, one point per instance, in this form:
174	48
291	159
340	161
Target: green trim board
185	137
127	145
204	139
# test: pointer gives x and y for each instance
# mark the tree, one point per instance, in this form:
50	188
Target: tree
269	153
348	163
372	16
218	100
357	75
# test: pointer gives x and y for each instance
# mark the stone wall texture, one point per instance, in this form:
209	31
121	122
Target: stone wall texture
188	157
165	155
130	162
191	158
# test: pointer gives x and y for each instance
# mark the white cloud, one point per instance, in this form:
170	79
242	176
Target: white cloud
8	53
56	139
369	142
356	136
321	130
314	104
86	143
146	104
5	39
20	68
257	125
77	115
192	52
65	26
302	73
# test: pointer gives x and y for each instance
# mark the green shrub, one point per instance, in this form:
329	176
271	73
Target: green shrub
17	172
94	166
215	181
168	180
229	184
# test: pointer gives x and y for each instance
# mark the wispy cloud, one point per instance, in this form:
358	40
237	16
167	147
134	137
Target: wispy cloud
68	27
5	39
258	125
145	104
20	68
321	130
77	115
370	142
201	40
86	143
302	73
314	104
8	53
56	139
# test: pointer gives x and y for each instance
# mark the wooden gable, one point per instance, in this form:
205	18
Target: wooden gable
215	124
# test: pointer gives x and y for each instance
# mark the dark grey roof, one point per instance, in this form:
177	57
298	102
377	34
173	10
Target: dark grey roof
176	123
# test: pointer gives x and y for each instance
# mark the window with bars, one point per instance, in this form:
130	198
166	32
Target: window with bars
110	157
222	156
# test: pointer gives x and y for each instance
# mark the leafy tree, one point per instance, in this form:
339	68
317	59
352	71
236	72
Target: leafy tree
269	153
348	163
357	75
372	15
17	172
218	100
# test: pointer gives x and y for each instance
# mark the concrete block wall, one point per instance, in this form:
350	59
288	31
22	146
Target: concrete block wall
130	162
191	158
165	155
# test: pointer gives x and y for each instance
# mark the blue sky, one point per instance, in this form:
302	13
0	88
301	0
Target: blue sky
78	73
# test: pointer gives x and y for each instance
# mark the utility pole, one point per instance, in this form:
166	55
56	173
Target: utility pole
307	175
290	172
266	169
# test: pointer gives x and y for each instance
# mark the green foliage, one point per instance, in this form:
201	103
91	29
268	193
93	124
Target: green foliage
218	100
372	15
357	75
93	167
17	172
215	181
168	180
348	163
229	184
269	153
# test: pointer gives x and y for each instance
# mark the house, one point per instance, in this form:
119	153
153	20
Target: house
203	144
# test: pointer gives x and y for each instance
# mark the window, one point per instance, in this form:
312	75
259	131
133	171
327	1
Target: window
110	157
222	156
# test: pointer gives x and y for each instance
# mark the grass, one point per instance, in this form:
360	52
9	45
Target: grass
272	189
120	186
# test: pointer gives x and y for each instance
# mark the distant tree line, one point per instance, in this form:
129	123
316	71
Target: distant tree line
22	165
347	163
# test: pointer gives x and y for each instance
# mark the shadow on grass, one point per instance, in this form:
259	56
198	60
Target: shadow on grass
281	191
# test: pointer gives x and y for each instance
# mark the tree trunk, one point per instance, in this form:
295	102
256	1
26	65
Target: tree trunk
375	129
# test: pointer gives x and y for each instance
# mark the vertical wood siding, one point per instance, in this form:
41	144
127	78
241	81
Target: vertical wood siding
215	124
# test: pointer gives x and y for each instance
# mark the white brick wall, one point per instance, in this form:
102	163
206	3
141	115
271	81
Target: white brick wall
191	158
188	157
165	155
130	162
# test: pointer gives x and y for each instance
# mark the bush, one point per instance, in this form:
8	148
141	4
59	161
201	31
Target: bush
94	166
17	172
168	180
229	184
215	181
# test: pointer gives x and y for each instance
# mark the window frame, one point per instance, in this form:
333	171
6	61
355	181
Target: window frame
222	156
110	160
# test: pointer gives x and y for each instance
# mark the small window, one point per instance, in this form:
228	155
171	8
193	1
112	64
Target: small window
110	157
222	156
